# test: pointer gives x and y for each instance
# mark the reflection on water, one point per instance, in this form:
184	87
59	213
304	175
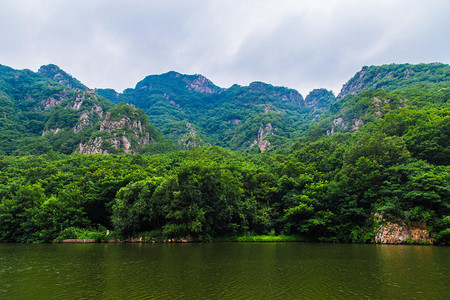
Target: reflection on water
223	270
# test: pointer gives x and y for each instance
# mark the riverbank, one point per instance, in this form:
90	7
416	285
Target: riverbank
230	239
189	239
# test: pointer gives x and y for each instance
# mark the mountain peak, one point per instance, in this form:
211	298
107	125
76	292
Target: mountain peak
174	80
57	74
280	92
392	76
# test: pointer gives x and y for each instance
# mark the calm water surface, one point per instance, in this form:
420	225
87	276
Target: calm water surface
223	271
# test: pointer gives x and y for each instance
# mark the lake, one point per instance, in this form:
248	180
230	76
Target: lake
223	271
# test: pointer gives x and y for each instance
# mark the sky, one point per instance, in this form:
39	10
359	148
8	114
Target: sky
303	44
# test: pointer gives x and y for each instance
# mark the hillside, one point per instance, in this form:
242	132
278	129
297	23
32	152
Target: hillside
41	114
395	76
370	167
191	111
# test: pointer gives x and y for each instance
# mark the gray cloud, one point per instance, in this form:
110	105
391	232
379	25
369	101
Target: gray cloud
299	44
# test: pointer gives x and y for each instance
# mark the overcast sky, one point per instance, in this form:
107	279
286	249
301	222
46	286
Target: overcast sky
299	44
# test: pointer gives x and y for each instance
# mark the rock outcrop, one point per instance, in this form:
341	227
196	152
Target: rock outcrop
281	93
123	129
191	139
174	82
393	76
400	233
55	73
263	132
319	99
201	84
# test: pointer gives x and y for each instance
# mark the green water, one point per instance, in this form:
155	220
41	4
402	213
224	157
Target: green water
223	271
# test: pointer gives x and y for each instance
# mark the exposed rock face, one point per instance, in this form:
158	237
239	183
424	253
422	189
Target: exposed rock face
354	85
381	106
282	93
174	103
173	81
190	140
92	146
88	118
392	76
200	84
354	125
319	99
55	73
262	133
400	233
338	122
55	131
121	131
90	113
50	102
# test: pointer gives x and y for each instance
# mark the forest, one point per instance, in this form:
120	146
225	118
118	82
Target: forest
332	166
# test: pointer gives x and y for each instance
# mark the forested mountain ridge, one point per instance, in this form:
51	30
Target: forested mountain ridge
55	73
372	167
395	76
41	114
414	92
258	116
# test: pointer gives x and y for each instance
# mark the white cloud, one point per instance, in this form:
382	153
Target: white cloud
299	44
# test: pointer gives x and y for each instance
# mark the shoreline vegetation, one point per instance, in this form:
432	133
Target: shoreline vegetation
232	239
372	165
229	239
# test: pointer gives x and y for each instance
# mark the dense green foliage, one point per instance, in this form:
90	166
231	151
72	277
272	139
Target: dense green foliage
39	114
55	73
231	118
323	190
396	76
377	151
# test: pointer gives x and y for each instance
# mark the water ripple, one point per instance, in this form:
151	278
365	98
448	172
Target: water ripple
222	271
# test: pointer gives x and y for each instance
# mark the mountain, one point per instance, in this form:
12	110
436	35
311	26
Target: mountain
56	74
410	101
395	76
371	166
191	111
41	114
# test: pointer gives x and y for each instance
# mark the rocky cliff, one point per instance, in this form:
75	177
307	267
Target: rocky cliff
319	99
400	233
263	132
55	73
174	82
394	76
124	129
274	93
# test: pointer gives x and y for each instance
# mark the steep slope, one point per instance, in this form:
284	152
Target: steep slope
418	113
191	108
40	114
55	73
124	129
379	90
395	76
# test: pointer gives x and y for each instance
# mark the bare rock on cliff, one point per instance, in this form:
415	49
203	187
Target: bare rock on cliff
393	76
400	233
319	99
274	92
191	139
263	132
55	73
124	129
201	84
